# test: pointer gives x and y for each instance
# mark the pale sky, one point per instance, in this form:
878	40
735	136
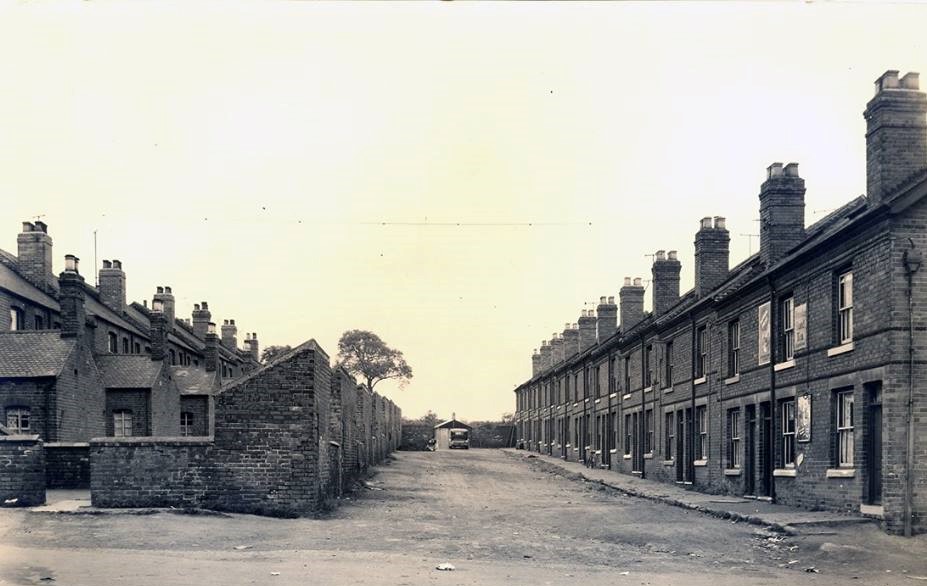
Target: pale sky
247	154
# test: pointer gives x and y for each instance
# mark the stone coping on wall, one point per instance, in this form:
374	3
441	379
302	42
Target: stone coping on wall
152	441
68	445
19	438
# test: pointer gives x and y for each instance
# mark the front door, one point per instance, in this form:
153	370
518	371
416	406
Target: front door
750	450
765	451
874	444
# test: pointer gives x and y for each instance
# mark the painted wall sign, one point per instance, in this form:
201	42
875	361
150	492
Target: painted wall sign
801	326
803	418
764	333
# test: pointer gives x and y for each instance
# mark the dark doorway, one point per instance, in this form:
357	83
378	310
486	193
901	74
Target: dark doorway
765	451
683	445
750	450
874	444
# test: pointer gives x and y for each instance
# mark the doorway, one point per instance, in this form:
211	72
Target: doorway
750	450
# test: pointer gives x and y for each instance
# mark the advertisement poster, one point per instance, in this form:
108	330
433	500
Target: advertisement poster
803	418
801	326
764	333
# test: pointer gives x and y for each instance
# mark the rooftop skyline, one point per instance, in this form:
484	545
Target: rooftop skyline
461	179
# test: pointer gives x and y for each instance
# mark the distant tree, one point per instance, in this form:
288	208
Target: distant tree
272	352
431	418
508	418
366	356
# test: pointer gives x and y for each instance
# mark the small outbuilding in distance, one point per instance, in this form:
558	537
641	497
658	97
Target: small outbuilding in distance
452	434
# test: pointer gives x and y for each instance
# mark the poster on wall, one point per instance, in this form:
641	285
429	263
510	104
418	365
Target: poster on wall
801	326
803	418
764	333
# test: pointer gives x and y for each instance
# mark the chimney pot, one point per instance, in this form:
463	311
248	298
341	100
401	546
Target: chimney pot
107	264
117	264
28	227
774	170
167	290
71	263
196	307
41	226
211	328
705	224
602	300
160	289
888	80
911	81
637	281
720	223
611	299
232	322
205	305
791	170
661	255
673	254
157	305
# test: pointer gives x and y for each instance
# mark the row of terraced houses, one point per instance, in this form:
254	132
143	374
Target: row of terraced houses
149	409
798	375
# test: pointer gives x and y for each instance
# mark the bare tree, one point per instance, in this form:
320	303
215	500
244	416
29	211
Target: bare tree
368	357
272	352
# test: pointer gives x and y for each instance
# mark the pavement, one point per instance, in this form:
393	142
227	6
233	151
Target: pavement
783	518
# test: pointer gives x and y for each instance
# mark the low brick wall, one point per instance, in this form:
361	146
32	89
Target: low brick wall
492	435
22	471
149	472
67	465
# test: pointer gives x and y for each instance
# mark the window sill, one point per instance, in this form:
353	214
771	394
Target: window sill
627	456
613	451
732	379
648	456
700	462
649	389
840	349
732	472
700	380
637	473
576	403
785	472
669	462
784	365
598	452
613	395
872	510
626	396
597	401
840	473
668	390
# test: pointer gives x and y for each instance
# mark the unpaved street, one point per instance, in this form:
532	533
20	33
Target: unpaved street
497	519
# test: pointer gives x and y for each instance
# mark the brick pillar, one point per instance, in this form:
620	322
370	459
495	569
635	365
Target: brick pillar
166	297
606	318
158	333
230	334
201	318
34	253
556	349
587	329
631	296
782	211
535	363
545	356
211	351
570	337
113	286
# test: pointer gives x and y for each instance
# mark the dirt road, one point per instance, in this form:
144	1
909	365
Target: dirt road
498	520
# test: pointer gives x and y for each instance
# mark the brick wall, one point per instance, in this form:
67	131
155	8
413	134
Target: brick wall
198	406
136	401
22	459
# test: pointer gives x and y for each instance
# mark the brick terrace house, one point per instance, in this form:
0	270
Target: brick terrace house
796	376
78	361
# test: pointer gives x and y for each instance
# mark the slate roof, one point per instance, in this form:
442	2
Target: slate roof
18	285
128	372
452	423
33	353
191	380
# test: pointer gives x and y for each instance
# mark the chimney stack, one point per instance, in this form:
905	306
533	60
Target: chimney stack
556	349
113	286
255	349
34	250
631	296
570	337
712	255
71	299
545	356
587	329
607	318
201	319
535	363
166	298
159	329
782	212
230	334
665	270
896	133
211	352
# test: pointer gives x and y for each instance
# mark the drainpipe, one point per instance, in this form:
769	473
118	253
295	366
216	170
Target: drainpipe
912	263
773	323
641	431
690	456
609	428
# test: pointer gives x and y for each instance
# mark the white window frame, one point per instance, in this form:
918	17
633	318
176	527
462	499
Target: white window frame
845	308
649	431
788	329
669	450
186	427
701	422
627	434
733	366
788	433
846	442
15	417
701	352
122	423
734	424
16	319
